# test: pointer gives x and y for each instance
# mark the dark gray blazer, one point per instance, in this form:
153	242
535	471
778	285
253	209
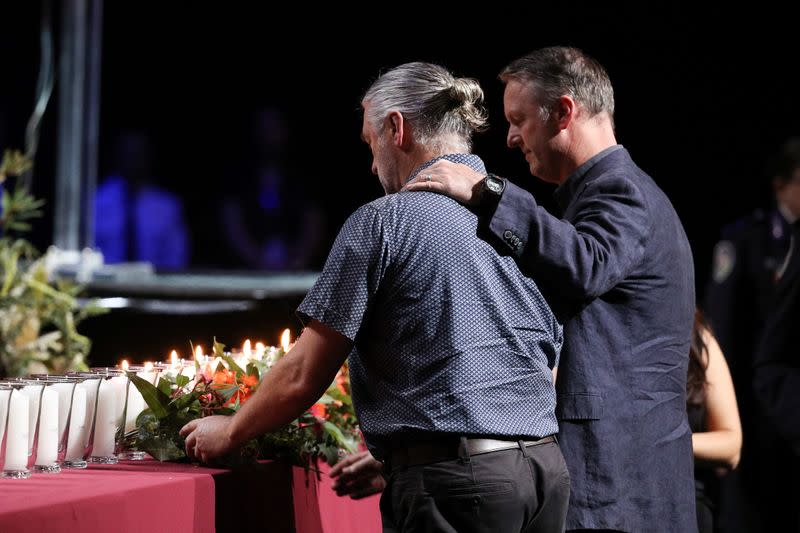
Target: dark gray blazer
618	271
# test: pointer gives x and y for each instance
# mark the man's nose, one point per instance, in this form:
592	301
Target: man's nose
512	139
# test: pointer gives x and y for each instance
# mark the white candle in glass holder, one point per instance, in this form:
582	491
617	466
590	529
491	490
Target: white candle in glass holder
105	425
135	406
150	373
34	394
90	387
120	386
242	362
76	440
47	444
17	438
5	395
64	391
189	370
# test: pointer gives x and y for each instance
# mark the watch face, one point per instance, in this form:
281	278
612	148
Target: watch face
494	184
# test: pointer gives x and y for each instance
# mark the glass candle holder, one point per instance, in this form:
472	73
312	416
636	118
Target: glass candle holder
109	414
71	413
77	432
14	442
91	386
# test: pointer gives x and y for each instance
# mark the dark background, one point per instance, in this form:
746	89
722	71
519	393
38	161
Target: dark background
702	98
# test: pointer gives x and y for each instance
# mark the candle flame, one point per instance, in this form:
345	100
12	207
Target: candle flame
246	350
173	356
148	366
198	352
260	349
285	339
124	365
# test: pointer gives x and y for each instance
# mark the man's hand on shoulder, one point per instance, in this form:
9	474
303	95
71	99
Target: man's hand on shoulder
451	179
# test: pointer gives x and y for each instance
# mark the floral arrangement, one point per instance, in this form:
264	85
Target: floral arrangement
38	319
328	428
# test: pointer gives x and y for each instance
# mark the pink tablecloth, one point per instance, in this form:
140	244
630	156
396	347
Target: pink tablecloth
171	499
148	496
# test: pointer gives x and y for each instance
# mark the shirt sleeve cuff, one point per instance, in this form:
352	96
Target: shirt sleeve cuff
311	310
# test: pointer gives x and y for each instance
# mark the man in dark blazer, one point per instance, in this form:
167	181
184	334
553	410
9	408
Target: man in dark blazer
618	270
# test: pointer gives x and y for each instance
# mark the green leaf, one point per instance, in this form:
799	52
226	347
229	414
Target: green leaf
162	448
331	454
226	390
219	348
165	386
325	399
252	370
156	400
237	370
181	381
19	226
182	402
336	433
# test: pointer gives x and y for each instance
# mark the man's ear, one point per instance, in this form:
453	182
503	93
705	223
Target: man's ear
397	126
564	112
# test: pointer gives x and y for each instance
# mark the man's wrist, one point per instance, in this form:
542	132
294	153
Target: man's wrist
491	191
233	432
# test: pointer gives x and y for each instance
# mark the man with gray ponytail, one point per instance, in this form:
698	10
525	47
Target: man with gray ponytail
617	268
451	347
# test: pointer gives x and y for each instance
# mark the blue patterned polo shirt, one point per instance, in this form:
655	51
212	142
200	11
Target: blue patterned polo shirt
449	336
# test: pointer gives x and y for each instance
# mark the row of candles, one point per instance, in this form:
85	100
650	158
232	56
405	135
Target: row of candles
50	421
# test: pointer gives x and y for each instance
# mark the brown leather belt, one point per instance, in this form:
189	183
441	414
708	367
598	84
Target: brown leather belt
450	449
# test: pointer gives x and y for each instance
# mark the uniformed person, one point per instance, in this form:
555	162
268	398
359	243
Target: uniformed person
747	264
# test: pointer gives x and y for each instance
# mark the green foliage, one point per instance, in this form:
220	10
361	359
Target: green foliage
176	401
38	318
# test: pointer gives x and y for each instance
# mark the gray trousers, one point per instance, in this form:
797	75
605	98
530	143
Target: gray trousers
521	489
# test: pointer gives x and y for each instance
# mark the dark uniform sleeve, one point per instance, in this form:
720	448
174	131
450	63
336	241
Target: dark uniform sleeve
587	256
352	274
727	294
777	361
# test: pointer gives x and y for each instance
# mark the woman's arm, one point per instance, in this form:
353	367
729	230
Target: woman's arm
721	443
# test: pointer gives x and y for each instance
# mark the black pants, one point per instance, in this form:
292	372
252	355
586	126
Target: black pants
524	490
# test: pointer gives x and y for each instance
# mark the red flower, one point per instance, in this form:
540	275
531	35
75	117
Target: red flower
319	410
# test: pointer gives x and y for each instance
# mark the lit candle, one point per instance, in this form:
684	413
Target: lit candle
286	338
150	373
260	349
76	440
47	442
247	350
105	423
17	432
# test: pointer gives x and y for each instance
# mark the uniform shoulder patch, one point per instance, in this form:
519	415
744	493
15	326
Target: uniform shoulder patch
724	261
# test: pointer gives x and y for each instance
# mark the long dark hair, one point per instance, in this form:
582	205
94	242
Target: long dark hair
698	361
